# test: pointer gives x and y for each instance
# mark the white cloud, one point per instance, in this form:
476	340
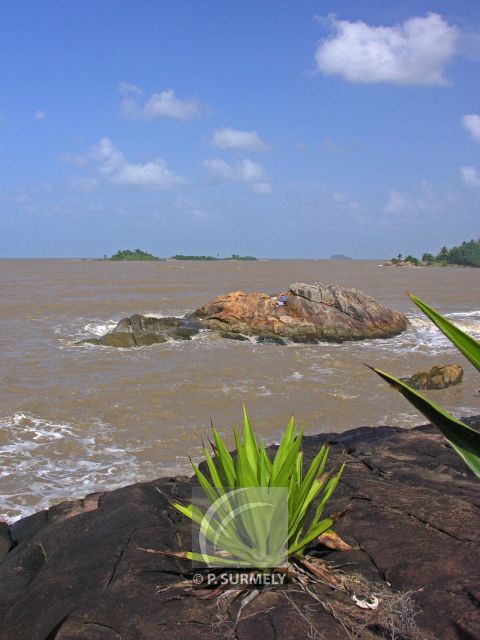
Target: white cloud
343	201
126	87
246	171
71	158
23	198
40	115
471	122
188	206
470	177
182	202
262	188
84	184
397	203
228	138
426	200
160	105
111	163
412	53
43	187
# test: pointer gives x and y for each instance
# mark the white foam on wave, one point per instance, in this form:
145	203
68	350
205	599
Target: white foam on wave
399	419
44	461
177	314
422	335
466	314
296	376
77	328
99	328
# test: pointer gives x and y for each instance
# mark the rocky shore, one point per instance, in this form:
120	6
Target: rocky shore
303	313
79	570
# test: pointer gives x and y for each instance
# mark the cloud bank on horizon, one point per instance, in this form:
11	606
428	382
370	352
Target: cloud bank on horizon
381	139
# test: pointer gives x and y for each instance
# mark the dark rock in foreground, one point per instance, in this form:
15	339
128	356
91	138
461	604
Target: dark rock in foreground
304	313
77	571
439	377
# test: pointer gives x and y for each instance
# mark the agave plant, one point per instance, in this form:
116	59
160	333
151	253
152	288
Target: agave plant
244	518
464	439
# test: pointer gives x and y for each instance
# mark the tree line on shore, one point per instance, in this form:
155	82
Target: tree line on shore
467	254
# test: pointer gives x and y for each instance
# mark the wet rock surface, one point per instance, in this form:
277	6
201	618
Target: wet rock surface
303	314
142	331
439	377
78	571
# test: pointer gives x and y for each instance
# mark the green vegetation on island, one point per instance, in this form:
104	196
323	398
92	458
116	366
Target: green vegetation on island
234	256
138	254
465	255
180	256
408	261
128	254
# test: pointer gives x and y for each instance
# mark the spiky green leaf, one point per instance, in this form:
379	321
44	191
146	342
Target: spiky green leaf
464	343
464	439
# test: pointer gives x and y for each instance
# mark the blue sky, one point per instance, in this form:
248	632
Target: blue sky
272	128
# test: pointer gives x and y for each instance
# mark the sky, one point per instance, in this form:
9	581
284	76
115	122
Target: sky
270	128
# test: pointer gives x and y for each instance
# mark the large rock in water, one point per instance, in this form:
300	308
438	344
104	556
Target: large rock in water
310	312
439	377
304	313
79	572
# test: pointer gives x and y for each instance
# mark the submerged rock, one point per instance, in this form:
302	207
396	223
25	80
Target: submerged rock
142	331
82	569
439	377
304	313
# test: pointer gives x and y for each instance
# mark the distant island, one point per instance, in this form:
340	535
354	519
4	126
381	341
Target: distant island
127	254
138	254
339	256
179	256
234	256
465	255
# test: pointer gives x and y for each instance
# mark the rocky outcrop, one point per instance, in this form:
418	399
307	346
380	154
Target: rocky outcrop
439	377
308	313
142	331
304	313
80	571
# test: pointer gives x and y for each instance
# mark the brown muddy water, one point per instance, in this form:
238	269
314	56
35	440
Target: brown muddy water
75	419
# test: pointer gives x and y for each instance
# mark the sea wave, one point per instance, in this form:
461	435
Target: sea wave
99	328
423	336
463	313
43	461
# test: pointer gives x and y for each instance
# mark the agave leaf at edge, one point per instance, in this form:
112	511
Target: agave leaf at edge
464	439
464	343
